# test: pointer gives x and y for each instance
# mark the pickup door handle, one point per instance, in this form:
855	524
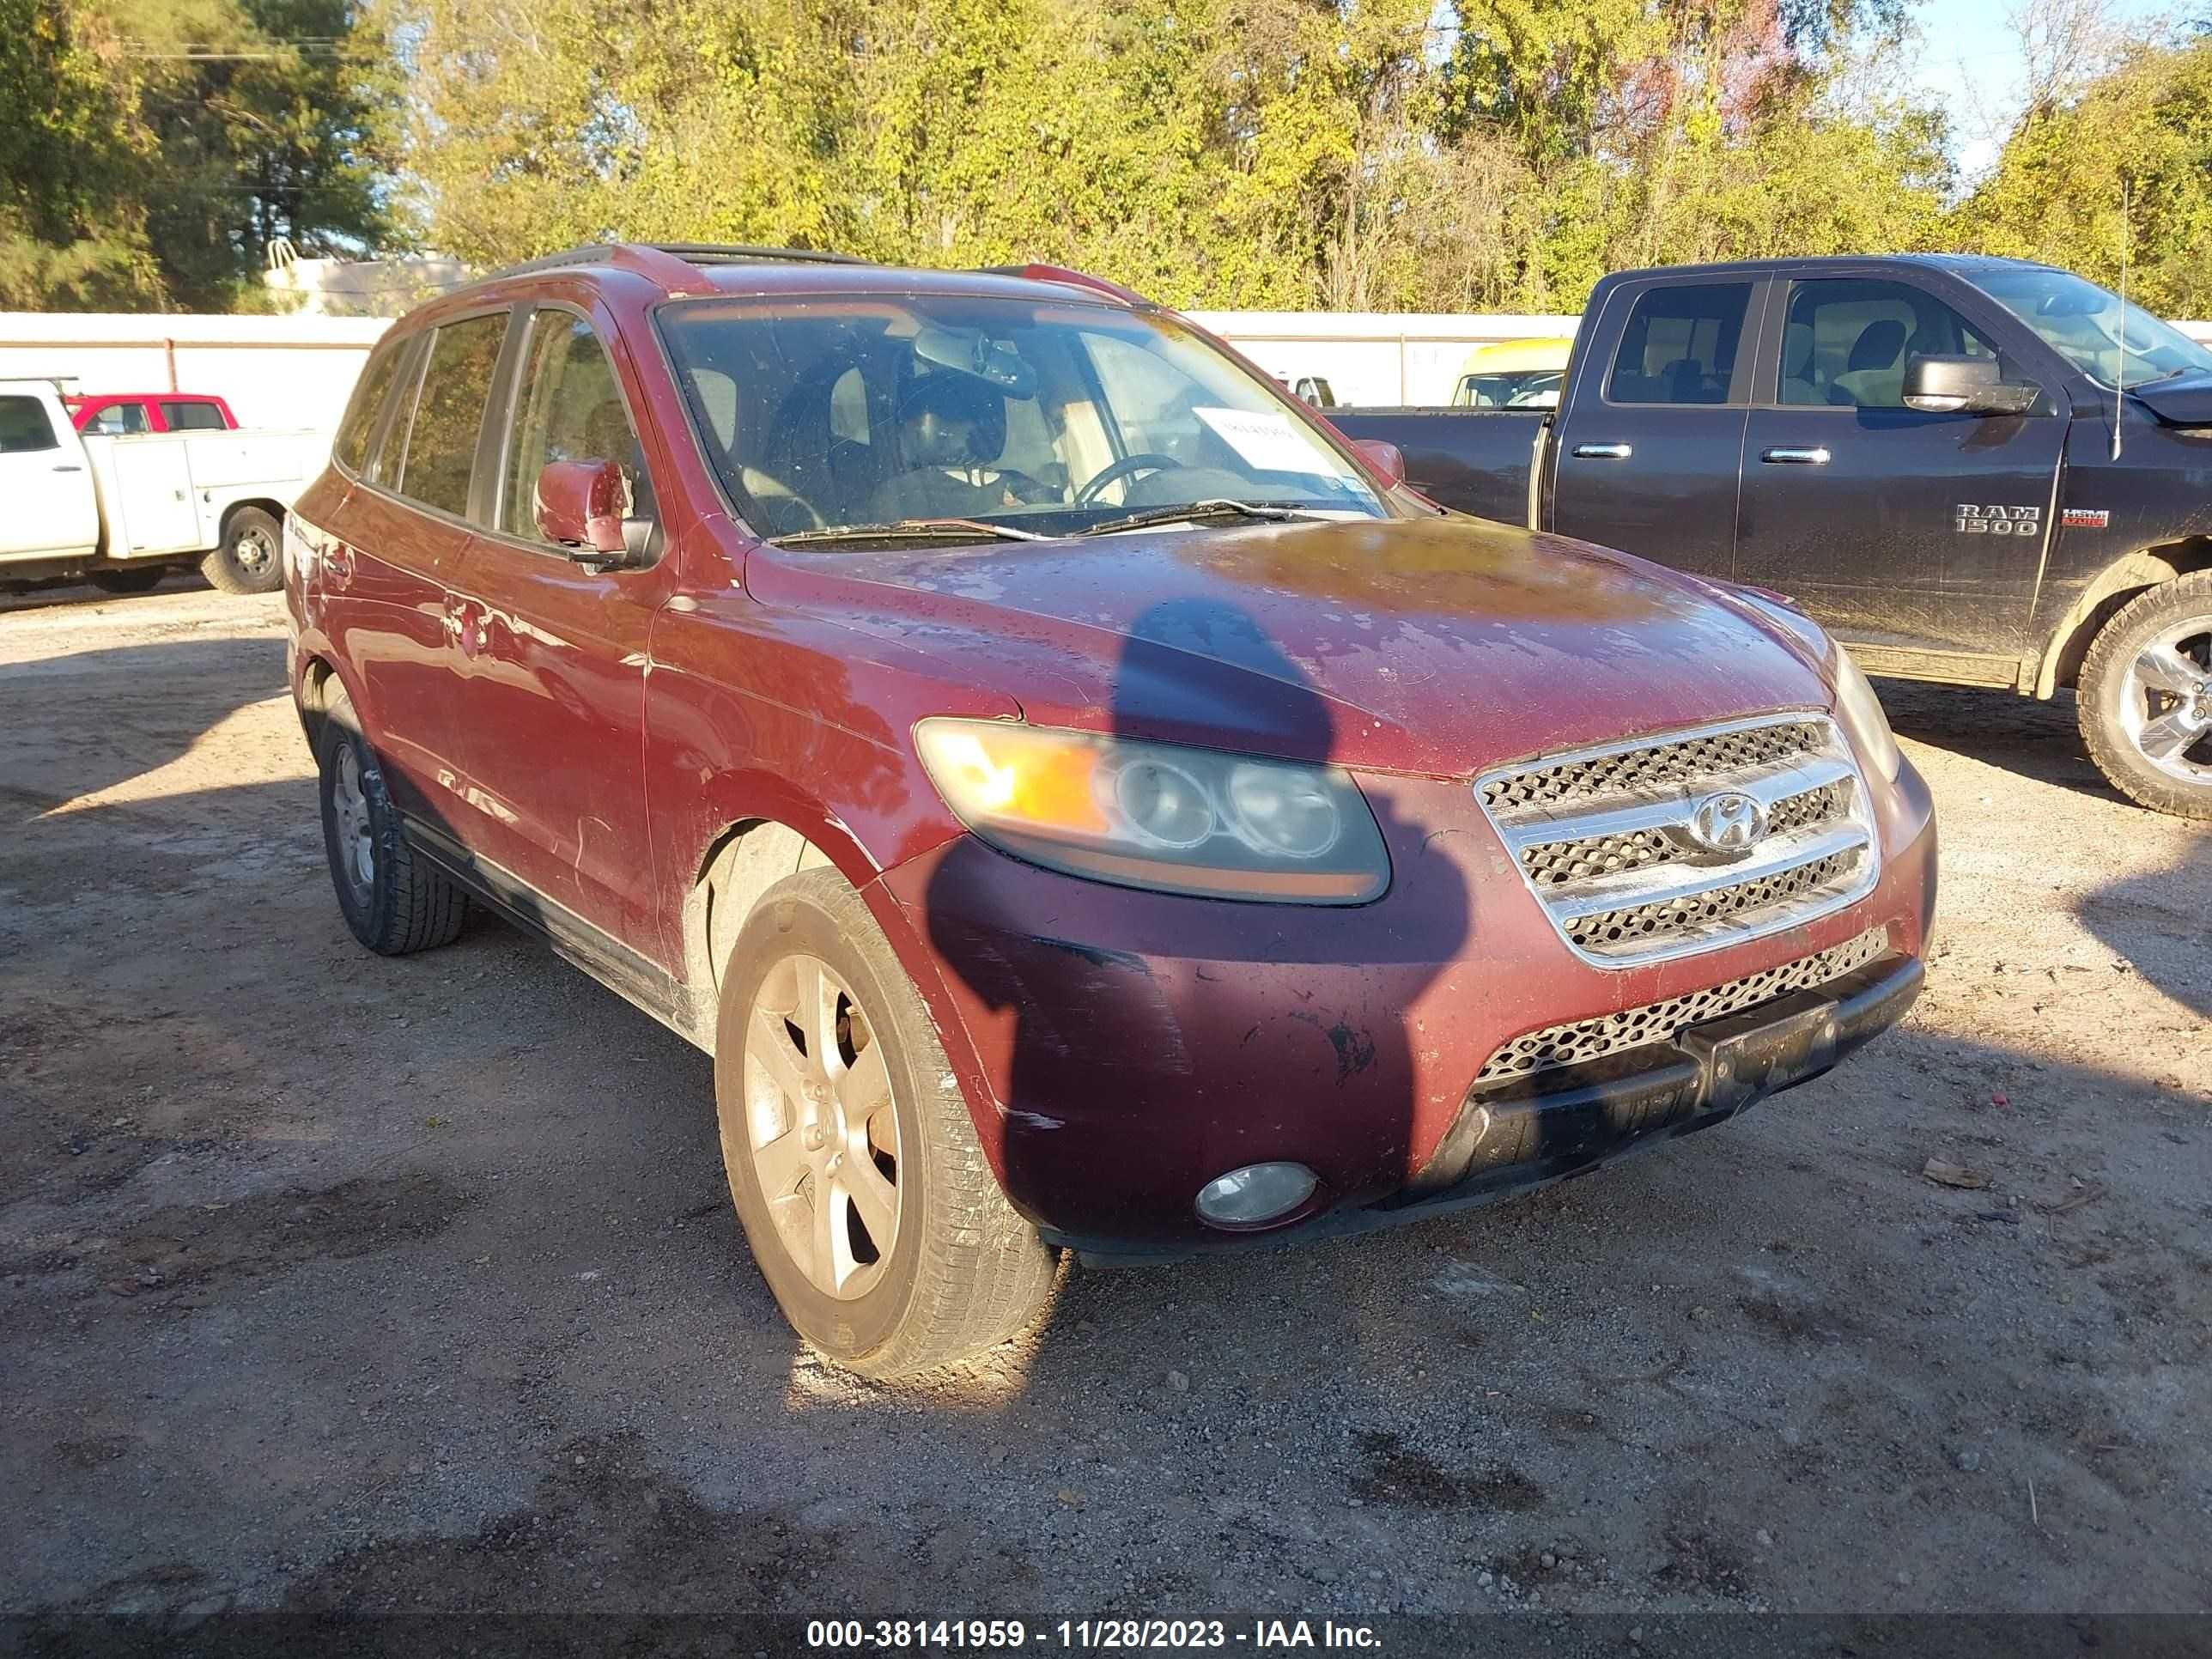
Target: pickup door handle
1816	456
1604	452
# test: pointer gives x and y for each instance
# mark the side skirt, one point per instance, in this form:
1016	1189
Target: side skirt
638	979
1947	667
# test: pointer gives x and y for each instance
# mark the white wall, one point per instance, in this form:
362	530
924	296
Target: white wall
274	370
298	371
1372	357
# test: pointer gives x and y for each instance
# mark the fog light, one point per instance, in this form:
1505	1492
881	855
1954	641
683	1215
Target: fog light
1255	1195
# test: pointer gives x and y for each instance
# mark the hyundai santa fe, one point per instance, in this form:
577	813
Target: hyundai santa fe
1081	802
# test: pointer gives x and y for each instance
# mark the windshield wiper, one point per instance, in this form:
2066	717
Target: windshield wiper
1196	512
919	530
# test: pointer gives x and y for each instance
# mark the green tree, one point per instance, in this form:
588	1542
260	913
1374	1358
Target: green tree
150	150
72	229
2139	138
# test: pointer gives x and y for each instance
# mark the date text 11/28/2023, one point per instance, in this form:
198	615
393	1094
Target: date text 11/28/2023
927	1634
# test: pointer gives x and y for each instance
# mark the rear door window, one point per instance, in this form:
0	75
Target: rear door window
191	415
1679	346
440	459
24	428
569	408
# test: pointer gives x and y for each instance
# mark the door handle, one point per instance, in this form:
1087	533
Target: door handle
1604	452
69	469
1815	456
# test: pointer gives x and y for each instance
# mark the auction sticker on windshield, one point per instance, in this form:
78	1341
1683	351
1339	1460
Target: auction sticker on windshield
1264	440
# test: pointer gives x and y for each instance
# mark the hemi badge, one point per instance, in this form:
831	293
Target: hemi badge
2085	518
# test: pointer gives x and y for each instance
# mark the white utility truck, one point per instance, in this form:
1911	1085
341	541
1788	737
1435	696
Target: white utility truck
119	511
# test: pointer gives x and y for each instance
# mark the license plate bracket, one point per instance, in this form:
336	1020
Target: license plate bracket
1752	1053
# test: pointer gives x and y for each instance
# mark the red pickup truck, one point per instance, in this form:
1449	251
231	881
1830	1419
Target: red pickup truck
1080	800
121	414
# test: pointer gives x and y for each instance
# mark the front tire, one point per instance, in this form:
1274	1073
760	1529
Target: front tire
870	1206
252	557
2145	697
394	903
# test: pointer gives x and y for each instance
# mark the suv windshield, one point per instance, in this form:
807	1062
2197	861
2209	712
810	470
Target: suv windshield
841	411
2082	322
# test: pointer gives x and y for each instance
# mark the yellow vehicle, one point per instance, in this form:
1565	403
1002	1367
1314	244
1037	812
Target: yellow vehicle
1512	374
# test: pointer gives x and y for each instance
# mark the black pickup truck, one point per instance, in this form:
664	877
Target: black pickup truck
1971	470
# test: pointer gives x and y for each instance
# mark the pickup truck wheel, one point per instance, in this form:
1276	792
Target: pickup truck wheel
867	1201
2145	697
127	578
252	557
394	903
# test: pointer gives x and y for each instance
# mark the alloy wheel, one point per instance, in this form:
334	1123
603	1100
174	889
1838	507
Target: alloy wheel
821	1126
2166	700
356	839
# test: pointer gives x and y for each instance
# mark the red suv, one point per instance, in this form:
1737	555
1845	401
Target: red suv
1080	801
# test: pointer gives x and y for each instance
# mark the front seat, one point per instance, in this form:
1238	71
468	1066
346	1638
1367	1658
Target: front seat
1873	376
951	430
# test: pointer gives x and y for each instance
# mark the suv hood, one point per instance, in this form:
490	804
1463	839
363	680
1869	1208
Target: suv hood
1431	645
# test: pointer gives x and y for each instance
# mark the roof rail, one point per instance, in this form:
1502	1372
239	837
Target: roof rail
1061	274
674	265
743	254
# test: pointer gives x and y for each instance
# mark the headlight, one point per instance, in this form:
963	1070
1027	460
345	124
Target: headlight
1861	712
1854	699
1159	815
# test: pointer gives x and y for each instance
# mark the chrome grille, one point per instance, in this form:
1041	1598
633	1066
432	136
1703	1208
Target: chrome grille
1658	1021
1603	929
1550	863
1631	769
1604	836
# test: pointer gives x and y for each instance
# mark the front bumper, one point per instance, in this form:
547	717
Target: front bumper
1119	1048
1567	1122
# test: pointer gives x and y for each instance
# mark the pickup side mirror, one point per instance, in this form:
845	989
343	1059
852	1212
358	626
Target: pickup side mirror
1969	385
581	505
1385	458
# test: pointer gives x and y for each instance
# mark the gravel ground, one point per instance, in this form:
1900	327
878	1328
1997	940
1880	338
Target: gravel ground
328	1282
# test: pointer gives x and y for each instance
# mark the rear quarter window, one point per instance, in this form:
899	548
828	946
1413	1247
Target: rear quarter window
370	393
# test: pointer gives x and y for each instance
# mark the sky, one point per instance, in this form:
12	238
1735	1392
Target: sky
1970	58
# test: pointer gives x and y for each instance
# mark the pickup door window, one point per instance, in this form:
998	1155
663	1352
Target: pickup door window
191	414
1894	527
1648	453
51	507
118	420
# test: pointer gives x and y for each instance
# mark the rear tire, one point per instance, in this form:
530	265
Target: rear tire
252	557
394	903
2145	697
959	1270
127	578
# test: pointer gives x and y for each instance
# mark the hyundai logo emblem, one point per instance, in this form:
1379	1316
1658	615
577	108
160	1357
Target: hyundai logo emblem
1730	822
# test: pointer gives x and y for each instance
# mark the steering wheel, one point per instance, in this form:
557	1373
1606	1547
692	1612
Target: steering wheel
1149	461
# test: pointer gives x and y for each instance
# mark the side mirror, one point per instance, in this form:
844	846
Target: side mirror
581	505
1970	385
1385	458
